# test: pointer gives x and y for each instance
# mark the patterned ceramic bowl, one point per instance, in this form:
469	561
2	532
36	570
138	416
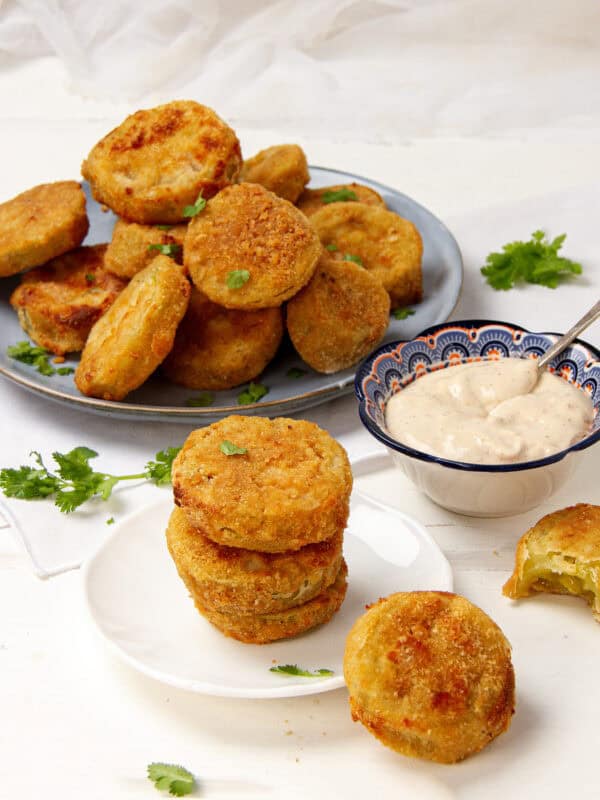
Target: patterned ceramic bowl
482	490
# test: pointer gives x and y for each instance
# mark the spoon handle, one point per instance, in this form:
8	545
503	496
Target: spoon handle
568	337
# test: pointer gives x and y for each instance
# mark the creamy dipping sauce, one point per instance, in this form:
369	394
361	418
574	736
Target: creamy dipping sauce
490	412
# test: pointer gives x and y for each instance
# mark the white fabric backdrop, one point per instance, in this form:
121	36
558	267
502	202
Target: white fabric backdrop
370	69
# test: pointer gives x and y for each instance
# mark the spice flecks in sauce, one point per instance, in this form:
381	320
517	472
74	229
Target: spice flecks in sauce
491	412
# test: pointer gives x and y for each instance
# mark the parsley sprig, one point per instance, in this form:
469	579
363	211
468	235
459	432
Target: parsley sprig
535	261
402	313
177	780
37	357
74	480
293	669
230	449
252	393
353	258
338	196
196	208
237	278
171	250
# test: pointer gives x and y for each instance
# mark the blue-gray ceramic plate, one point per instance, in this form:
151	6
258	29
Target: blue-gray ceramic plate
159	399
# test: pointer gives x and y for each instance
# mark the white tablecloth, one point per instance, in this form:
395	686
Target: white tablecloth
77	723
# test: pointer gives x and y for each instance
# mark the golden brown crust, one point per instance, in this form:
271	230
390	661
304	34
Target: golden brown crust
58	303
281	169
561	555
218	348
311	200
158	160
247	228
236	581
339	316
133	246
389	246
127	344
430	675
290	488
264	628
40	224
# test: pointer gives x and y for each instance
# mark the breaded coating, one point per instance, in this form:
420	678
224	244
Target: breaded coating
264	628
40	224
429	674
311	200
389	246
290	488
281	169
561	555
159	160
218	348
236	581
59	303
250	249
339	316
134	246
127	344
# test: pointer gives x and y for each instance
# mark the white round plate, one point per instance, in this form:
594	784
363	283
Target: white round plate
159	399
142	608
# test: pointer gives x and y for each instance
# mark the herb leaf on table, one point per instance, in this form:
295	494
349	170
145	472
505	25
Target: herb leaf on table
535	261
75	480
177	780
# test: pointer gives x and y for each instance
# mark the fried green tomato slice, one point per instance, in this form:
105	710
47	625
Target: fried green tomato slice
134	246
250	249
135	335
387	245
236	581
430	675
560	555
291	487
313	200
58	303
339	316
264	628
40	224
159	160
281	169
218	348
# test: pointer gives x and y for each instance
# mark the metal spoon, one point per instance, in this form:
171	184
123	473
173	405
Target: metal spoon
568	337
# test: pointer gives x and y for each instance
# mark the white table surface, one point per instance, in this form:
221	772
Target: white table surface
77	723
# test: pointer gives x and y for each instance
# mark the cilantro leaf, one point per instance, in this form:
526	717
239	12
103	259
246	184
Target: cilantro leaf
201	400
65	370
331	247
74	464
293	669
252	394
159	471
196	208
237	278
354	259
230	449
27	483
295	372
76	481
338	196
172	250
402	313
164	227
90	278
27	353
177	780
110	521
536	261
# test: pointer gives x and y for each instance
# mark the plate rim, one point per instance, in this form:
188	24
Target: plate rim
362	465
187	413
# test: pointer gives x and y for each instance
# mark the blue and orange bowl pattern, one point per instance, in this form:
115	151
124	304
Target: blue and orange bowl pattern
396	364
